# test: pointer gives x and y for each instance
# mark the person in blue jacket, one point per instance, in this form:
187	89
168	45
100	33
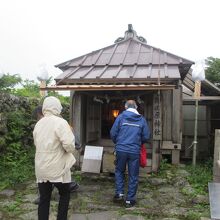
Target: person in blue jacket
128	132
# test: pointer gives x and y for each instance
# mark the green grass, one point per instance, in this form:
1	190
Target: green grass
16	171
200	175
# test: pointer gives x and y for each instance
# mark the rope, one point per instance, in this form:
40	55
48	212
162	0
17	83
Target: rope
194	142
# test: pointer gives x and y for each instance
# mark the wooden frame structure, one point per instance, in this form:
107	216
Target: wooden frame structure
130	68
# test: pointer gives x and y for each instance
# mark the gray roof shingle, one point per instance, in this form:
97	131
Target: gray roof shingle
130	59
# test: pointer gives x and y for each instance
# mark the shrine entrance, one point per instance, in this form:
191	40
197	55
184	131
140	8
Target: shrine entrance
101	82
100	109
110	111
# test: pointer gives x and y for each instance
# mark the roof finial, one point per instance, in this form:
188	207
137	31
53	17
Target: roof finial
130	33
130	28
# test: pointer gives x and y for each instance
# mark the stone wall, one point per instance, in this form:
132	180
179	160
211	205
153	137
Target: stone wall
12	107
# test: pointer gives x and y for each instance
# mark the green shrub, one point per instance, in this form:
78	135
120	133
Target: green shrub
201	174
192	215
8	82
16	145
17	155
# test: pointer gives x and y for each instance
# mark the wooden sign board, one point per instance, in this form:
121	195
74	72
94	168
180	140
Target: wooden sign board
157	123
92	159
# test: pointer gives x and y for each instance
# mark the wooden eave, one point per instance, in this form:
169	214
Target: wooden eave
122	81
111	87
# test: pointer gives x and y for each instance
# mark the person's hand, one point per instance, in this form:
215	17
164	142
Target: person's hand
78	145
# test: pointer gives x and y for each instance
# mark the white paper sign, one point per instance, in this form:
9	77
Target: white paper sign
198	73
93	152
92	159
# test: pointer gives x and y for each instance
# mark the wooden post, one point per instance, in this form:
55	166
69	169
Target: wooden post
216	163
157	131
197	89
76	120
155	155
167	97
71	108
195	132
196	96
175	157
177	116
176	123
43	85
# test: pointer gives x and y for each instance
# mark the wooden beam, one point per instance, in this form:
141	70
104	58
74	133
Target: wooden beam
109	87
202	98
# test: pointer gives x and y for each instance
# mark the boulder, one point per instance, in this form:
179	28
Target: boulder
7	192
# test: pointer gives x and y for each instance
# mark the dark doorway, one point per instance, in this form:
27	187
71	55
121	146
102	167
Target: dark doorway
109	113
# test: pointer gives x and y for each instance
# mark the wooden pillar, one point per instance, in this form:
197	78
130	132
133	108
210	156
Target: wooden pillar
76	120
167	114
76	107
43	85
208	123
71	108
175	157
155	155
216	163
177	123
157	131
177	116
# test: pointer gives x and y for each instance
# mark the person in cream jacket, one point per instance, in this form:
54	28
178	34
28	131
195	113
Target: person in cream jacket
55	144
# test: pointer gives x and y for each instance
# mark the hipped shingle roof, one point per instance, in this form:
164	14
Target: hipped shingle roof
129	60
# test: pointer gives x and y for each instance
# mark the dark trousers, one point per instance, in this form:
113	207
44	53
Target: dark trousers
132	160
45	190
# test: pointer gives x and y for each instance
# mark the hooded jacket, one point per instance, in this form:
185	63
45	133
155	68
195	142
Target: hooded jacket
55	143
129	131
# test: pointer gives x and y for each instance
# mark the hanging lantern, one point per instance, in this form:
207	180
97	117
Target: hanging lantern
115	113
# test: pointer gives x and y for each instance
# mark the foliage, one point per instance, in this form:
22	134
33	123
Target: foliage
213	70
201	174
16	145
17	157
29	89
8	82
166	170
164	165
63	99
13	207
77	177
13	171
193	215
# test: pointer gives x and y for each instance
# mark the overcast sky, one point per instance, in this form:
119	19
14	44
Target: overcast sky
36	32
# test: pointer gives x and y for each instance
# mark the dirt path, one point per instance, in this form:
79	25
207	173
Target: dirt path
167	197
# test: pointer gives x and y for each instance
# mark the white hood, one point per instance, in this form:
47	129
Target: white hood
51	105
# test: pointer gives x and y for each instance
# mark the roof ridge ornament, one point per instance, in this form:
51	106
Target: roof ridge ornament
130	33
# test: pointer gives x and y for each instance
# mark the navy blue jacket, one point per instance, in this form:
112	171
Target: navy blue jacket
129	131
